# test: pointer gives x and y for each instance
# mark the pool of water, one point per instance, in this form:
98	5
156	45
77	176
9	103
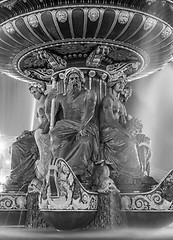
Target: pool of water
19	233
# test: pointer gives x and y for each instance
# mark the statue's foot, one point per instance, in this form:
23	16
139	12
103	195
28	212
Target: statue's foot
11	182
35	186
11	185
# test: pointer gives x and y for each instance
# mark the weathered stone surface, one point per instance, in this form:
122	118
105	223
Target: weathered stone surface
34	218
109	215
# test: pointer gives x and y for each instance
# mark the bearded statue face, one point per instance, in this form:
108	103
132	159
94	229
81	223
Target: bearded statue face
74	83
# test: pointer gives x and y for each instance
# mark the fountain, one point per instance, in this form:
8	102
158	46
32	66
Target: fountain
101	43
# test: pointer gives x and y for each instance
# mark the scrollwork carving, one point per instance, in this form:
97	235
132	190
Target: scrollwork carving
39	73
122	69
12	201
42	65
55	61
160	198
95	58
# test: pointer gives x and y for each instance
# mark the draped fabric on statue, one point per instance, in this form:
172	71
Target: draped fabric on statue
24	155
80	153
144	152
120	151
43	143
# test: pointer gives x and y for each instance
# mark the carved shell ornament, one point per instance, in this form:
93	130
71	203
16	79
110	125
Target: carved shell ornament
93	14
32	20
62	16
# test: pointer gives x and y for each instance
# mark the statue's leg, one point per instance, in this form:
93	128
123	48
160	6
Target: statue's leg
42	164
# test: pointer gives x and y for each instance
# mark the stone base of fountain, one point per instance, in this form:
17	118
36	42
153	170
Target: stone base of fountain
13	209
108	215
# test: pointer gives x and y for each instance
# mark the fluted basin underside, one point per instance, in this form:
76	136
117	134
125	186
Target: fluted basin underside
138	31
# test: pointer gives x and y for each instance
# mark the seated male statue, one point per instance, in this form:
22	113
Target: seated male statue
75	137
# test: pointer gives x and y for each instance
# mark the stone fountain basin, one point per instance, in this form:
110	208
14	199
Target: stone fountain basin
68	219
149	219
150	209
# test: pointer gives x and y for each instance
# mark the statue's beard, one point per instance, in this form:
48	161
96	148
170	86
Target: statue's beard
73	91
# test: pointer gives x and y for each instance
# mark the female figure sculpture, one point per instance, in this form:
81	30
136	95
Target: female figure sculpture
118	133
24	153
42	140
30	152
